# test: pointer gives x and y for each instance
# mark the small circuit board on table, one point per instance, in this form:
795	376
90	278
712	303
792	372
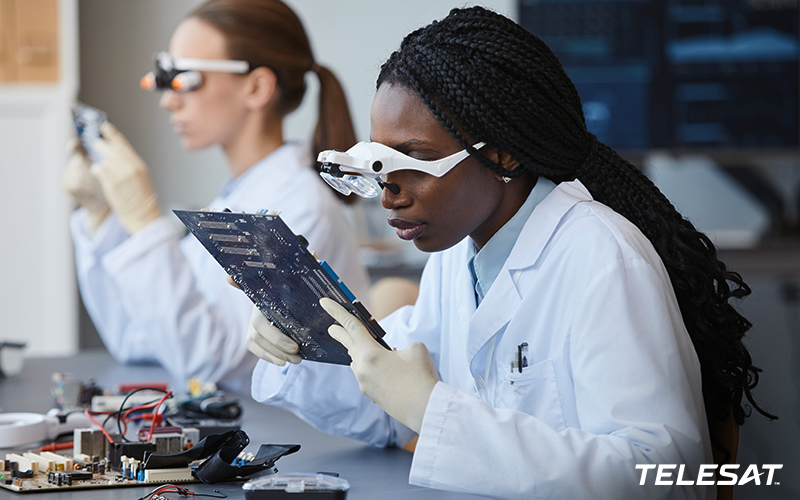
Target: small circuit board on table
41	472
282	278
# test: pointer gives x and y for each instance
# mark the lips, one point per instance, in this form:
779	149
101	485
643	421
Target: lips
406	230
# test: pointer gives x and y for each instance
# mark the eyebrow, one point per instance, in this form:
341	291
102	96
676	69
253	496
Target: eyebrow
408	144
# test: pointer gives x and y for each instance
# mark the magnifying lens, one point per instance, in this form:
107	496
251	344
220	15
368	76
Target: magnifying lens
17	429
349	172
182	74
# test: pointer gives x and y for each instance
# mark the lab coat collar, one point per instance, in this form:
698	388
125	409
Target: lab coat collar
543	222
496	309
503	299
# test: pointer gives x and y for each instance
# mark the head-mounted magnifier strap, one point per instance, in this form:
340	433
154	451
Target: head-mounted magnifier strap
168	62
181	74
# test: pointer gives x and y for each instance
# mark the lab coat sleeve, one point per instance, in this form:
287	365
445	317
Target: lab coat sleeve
144	298
328	397
98	290
637	388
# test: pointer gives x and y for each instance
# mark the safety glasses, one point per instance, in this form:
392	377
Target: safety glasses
182	74
349	172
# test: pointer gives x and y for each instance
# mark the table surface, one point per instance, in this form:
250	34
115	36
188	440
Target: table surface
372	473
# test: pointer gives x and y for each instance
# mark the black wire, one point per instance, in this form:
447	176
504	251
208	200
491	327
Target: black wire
122	406
219	494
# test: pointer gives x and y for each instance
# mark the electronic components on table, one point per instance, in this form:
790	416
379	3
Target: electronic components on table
72	394
46	471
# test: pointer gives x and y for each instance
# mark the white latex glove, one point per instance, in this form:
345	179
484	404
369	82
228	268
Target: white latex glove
400	382
268	343
125	181
84	187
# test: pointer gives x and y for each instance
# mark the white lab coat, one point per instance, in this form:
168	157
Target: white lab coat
156	298
613	379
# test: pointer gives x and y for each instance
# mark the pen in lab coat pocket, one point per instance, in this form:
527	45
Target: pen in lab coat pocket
520	361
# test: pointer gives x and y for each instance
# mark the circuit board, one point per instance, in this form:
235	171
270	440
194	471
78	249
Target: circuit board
282	278
64	477
87	122
49	472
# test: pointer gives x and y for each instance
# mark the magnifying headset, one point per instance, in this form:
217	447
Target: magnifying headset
350	172
182	74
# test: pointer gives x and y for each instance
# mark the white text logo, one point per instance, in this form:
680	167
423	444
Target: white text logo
665	474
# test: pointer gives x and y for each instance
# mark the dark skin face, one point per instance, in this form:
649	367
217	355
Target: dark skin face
438	212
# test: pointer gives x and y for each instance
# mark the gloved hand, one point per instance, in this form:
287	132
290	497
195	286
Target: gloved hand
125	181
79	182
268	343
400	382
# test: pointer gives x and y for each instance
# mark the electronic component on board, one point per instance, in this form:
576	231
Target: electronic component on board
134	450
282	278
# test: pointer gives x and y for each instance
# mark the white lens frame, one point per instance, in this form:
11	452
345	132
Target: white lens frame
168	62
372	159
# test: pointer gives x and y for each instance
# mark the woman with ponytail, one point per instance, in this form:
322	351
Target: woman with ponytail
572	329
235	69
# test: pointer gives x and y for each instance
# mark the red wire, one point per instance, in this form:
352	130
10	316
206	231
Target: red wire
124	423
102	429
178	489
155	412
57	446
136	408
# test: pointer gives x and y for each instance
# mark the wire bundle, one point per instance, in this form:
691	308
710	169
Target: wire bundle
158	493
123	416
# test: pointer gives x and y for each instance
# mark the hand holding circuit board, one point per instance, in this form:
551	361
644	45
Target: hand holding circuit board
278	273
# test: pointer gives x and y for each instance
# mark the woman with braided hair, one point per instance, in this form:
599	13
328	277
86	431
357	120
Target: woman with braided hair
570	324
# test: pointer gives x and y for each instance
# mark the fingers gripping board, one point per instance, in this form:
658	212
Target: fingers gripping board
282	278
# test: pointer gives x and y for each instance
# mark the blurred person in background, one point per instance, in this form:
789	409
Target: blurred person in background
235	69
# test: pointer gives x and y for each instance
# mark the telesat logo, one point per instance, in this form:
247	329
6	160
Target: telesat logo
706	476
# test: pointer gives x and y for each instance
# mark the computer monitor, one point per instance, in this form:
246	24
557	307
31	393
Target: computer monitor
679	74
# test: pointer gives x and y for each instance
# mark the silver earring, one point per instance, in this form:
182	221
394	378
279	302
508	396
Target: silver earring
506	179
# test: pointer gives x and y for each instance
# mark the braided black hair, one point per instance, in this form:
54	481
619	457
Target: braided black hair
486	78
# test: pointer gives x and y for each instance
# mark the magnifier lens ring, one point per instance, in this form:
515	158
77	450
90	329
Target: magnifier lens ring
186	81
336	183
362	186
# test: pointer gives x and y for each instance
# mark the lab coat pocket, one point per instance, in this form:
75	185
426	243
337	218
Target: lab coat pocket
534	391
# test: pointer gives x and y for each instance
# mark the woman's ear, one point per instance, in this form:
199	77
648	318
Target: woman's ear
506	161
503	159
263	88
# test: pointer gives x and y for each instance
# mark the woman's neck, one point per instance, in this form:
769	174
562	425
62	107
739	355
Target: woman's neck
253	143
